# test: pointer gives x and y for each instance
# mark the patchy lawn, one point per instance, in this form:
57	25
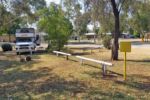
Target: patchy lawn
49	77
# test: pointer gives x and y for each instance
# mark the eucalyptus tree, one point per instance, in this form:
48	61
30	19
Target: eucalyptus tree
5	17
74	11
16	13
140	21
113	16
26	9
81	23
105	9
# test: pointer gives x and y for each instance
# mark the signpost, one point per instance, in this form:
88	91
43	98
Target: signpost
125	47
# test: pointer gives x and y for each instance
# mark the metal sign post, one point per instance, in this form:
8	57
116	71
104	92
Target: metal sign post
125	65
125	47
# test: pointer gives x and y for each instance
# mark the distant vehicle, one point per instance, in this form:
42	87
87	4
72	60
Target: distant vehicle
26	40
131	36
127	35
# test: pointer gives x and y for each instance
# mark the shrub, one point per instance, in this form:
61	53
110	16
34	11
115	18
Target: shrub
6	47
107	42
57	44
136	35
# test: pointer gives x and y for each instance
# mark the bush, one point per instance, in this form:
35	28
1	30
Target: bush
107	42
136	35
6	47
57	44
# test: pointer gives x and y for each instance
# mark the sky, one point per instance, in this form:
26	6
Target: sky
56	1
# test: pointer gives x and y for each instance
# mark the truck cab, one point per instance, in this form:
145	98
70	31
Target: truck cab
26	40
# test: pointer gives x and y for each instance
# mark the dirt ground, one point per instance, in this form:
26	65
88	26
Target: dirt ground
48	77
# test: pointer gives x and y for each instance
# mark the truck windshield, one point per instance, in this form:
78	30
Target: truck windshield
25	30
24	40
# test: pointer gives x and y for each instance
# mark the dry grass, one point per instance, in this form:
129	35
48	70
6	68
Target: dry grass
48	77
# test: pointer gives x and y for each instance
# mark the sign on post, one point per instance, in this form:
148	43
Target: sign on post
125	47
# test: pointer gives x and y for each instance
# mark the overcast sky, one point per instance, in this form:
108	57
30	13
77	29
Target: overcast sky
56	1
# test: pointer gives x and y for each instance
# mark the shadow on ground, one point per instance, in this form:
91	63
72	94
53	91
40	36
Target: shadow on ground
81	43
136	82
81	54
142	61
20	84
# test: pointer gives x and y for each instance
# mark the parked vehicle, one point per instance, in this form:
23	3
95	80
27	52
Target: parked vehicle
127	35
26	40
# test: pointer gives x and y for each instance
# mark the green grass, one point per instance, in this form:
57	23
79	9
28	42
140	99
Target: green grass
49	77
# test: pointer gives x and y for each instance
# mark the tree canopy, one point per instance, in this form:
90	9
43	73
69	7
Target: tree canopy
18	13
58	27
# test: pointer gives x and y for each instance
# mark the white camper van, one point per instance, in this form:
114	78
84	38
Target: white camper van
26	40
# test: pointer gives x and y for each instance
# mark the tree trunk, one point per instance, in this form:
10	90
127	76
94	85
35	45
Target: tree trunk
115	45
49	45
94	30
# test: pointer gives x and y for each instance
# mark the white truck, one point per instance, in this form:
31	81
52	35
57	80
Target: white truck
26	40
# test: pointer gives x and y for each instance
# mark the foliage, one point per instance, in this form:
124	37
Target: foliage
114	15
107	41
107	13
53	22
17	13
97	30
136	34
6	47
13	28
140	18
5	16
74	12
131	31
81	23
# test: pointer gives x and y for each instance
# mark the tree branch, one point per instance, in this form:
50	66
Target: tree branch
119	9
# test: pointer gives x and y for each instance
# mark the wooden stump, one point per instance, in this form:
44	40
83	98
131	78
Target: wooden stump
22	59
28	58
